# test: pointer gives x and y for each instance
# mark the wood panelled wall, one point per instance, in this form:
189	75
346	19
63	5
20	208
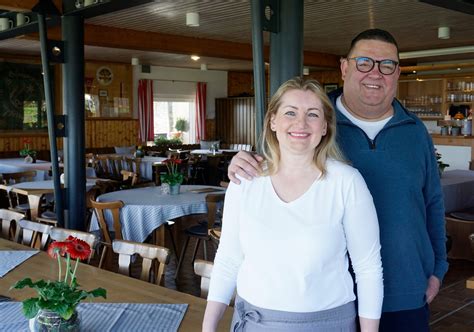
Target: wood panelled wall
99	134
235	120
111	132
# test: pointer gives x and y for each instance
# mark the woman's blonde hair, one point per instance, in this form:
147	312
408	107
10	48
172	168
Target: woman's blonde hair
327	148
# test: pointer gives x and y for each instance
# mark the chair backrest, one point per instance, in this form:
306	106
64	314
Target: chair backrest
90	160
102	165
471	165
18	177
203	269
212	202
129	178
9	219
28	231
100	209
154	259
61	234
133	165
115	164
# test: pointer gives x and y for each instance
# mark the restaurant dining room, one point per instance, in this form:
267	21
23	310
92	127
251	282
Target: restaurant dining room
131	131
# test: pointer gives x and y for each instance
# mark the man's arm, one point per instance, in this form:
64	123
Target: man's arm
246	165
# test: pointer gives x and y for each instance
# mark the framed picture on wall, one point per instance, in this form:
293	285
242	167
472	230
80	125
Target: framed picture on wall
330	87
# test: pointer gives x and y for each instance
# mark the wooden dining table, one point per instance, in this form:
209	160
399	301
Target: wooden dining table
120	288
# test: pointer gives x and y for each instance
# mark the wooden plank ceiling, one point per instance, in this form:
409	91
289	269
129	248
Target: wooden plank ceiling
156	33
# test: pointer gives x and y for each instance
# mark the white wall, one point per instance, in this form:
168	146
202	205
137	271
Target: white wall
216	83
457	157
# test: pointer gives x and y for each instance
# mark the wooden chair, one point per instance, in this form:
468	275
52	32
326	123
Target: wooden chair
61	234
102	166
204	270
129	179
9	220
100	209
16	200
155	259
201	231
27	233
115	164
460	231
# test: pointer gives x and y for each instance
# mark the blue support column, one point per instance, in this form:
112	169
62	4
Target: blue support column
73	107
286	46
258	65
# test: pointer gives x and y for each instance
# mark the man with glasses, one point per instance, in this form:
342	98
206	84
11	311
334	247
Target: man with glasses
393	151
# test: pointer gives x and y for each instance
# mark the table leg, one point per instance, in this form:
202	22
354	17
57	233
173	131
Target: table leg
159	236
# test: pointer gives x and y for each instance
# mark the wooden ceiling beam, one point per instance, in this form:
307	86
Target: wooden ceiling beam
95	35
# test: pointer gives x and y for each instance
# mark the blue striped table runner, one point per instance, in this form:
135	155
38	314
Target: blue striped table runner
107	317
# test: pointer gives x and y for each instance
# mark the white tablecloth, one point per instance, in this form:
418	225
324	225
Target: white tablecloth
41	167
107	317
205	152
148	208
458	189
13	165
48	184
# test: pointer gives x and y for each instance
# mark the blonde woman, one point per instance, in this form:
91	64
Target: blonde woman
288	234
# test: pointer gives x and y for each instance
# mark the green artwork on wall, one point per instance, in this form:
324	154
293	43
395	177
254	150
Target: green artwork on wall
22	104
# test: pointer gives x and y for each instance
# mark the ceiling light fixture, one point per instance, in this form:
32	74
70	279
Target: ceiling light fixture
195	57
443	33
437	52
192	19
305	71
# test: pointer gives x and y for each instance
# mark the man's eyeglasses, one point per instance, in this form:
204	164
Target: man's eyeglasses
365	64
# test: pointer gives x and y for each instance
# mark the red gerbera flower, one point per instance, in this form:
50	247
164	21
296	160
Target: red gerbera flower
79	249
56	248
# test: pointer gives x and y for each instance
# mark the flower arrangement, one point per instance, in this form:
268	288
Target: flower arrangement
174	176
26	151
63	295
441	164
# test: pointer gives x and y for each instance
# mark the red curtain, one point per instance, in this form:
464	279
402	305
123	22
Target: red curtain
145	110
200	112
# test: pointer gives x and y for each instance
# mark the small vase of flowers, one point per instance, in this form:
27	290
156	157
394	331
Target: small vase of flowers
174	177
55	307
27	152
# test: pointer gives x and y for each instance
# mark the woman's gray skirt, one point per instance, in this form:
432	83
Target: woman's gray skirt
249	318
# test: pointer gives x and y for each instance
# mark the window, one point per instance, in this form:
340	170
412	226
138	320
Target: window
22	103
173	101
166	114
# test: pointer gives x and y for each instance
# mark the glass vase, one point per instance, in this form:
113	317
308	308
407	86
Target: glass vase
174	189
49	321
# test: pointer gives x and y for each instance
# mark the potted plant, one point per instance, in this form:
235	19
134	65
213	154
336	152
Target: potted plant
27	152
174	177
181	125
441	164
55	307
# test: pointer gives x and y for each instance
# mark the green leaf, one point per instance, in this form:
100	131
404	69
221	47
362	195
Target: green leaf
27	282
30	307
98	292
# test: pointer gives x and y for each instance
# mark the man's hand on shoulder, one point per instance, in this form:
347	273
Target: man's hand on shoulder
245	164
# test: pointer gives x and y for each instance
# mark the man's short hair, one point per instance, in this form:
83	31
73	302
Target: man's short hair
374	34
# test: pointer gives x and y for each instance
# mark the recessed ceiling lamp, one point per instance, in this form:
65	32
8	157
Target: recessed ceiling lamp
192	19
443	33
195	57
